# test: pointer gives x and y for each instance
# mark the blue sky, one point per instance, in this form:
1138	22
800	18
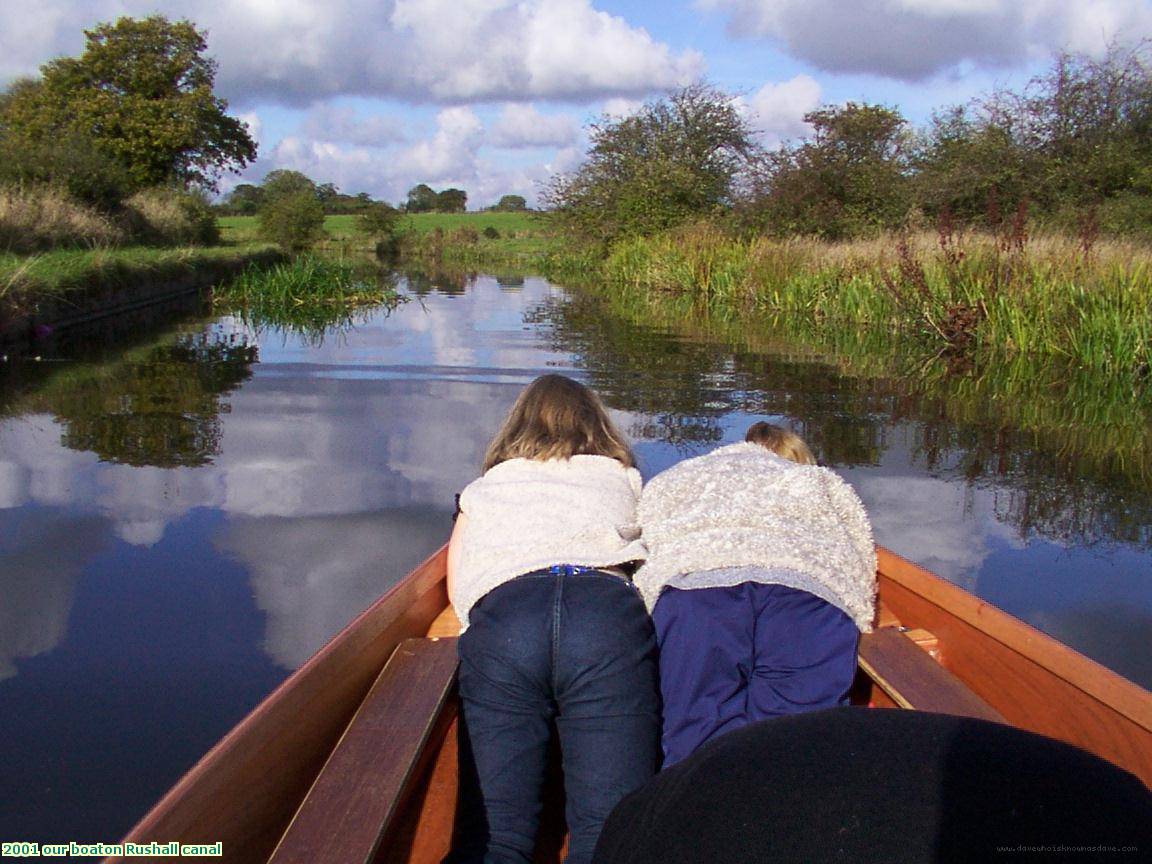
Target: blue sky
492	96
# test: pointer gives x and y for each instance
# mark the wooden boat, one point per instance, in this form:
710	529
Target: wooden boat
353	758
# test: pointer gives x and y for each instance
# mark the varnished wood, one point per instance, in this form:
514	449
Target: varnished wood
446	624
1036	682
244	790
905	671
423	833
363	785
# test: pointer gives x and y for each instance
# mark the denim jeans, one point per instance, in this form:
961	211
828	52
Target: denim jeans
577	651
732	656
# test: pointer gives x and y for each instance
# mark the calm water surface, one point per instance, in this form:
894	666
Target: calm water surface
188	514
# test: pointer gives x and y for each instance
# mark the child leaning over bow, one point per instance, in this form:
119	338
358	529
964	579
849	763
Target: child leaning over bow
762	571
554	630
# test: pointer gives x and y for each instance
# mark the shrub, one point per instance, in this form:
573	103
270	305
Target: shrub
42	217
172	217
71	163
294	221
466	234
491	233
378	220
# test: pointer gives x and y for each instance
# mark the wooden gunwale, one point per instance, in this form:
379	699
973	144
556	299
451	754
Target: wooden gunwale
1036	682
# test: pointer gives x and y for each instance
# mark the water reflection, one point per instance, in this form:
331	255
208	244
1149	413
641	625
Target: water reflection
39	576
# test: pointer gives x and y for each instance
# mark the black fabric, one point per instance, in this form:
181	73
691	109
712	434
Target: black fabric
874	785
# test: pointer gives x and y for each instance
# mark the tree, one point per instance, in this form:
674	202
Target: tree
283	183
142	93
850	178
452	201
294	220
676	160
378	220
512	203
245	199
421	199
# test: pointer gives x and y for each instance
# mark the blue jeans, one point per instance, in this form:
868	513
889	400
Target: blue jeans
731	656
577	651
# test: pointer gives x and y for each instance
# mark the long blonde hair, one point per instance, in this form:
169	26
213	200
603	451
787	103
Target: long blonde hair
557	418
781	442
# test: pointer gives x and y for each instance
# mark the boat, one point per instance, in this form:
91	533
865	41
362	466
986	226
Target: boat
353	757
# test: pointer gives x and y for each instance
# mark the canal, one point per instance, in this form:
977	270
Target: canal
191	506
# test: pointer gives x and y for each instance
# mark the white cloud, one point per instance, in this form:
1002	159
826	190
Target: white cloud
524	126
776	111
915	39
343	124
619	108
450	154
300	51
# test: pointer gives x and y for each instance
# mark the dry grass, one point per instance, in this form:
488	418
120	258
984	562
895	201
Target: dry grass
37	218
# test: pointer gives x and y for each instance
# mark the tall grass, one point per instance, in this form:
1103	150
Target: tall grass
38	218
307	295
1090	303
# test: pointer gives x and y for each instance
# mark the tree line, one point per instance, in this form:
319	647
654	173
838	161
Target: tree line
1071	151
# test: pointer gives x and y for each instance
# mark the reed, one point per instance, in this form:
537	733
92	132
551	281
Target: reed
308	295
1090	303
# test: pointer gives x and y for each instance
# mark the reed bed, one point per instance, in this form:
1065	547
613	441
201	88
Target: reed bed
1090	302
307	295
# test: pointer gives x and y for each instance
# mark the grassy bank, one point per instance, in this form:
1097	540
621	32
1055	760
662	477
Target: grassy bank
69	284
1058	297
486	239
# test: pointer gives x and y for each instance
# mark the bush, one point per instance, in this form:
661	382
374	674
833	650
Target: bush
378	220
72	164
294	221
172	217
491	233
42	217
466	234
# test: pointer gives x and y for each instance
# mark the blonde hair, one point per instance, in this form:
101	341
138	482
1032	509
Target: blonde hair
557	418
781	442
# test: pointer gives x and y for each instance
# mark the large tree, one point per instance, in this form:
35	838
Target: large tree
142	94
850	177
421	199
673	161
451	201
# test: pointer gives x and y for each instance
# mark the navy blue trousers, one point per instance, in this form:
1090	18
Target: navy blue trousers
731	656
577	651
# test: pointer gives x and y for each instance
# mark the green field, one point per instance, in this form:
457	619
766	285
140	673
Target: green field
521	226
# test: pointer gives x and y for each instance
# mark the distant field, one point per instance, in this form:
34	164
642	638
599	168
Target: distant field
245	229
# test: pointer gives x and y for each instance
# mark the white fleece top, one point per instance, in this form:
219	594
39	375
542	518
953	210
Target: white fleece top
742	506
526	515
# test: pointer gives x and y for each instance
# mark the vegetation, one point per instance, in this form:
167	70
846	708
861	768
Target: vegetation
422	198
510	203
293	218
307	295
141	96
849	180
1007	295
674	161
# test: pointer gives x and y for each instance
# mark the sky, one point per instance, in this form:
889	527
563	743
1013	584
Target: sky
495	96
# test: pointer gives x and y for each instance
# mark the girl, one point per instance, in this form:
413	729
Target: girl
554	631
762	572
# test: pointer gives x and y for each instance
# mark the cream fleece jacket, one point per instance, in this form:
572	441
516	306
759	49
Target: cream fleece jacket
744	506
526	515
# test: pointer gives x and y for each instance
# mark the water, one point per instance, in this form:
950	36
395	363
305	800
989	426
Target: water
188	513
